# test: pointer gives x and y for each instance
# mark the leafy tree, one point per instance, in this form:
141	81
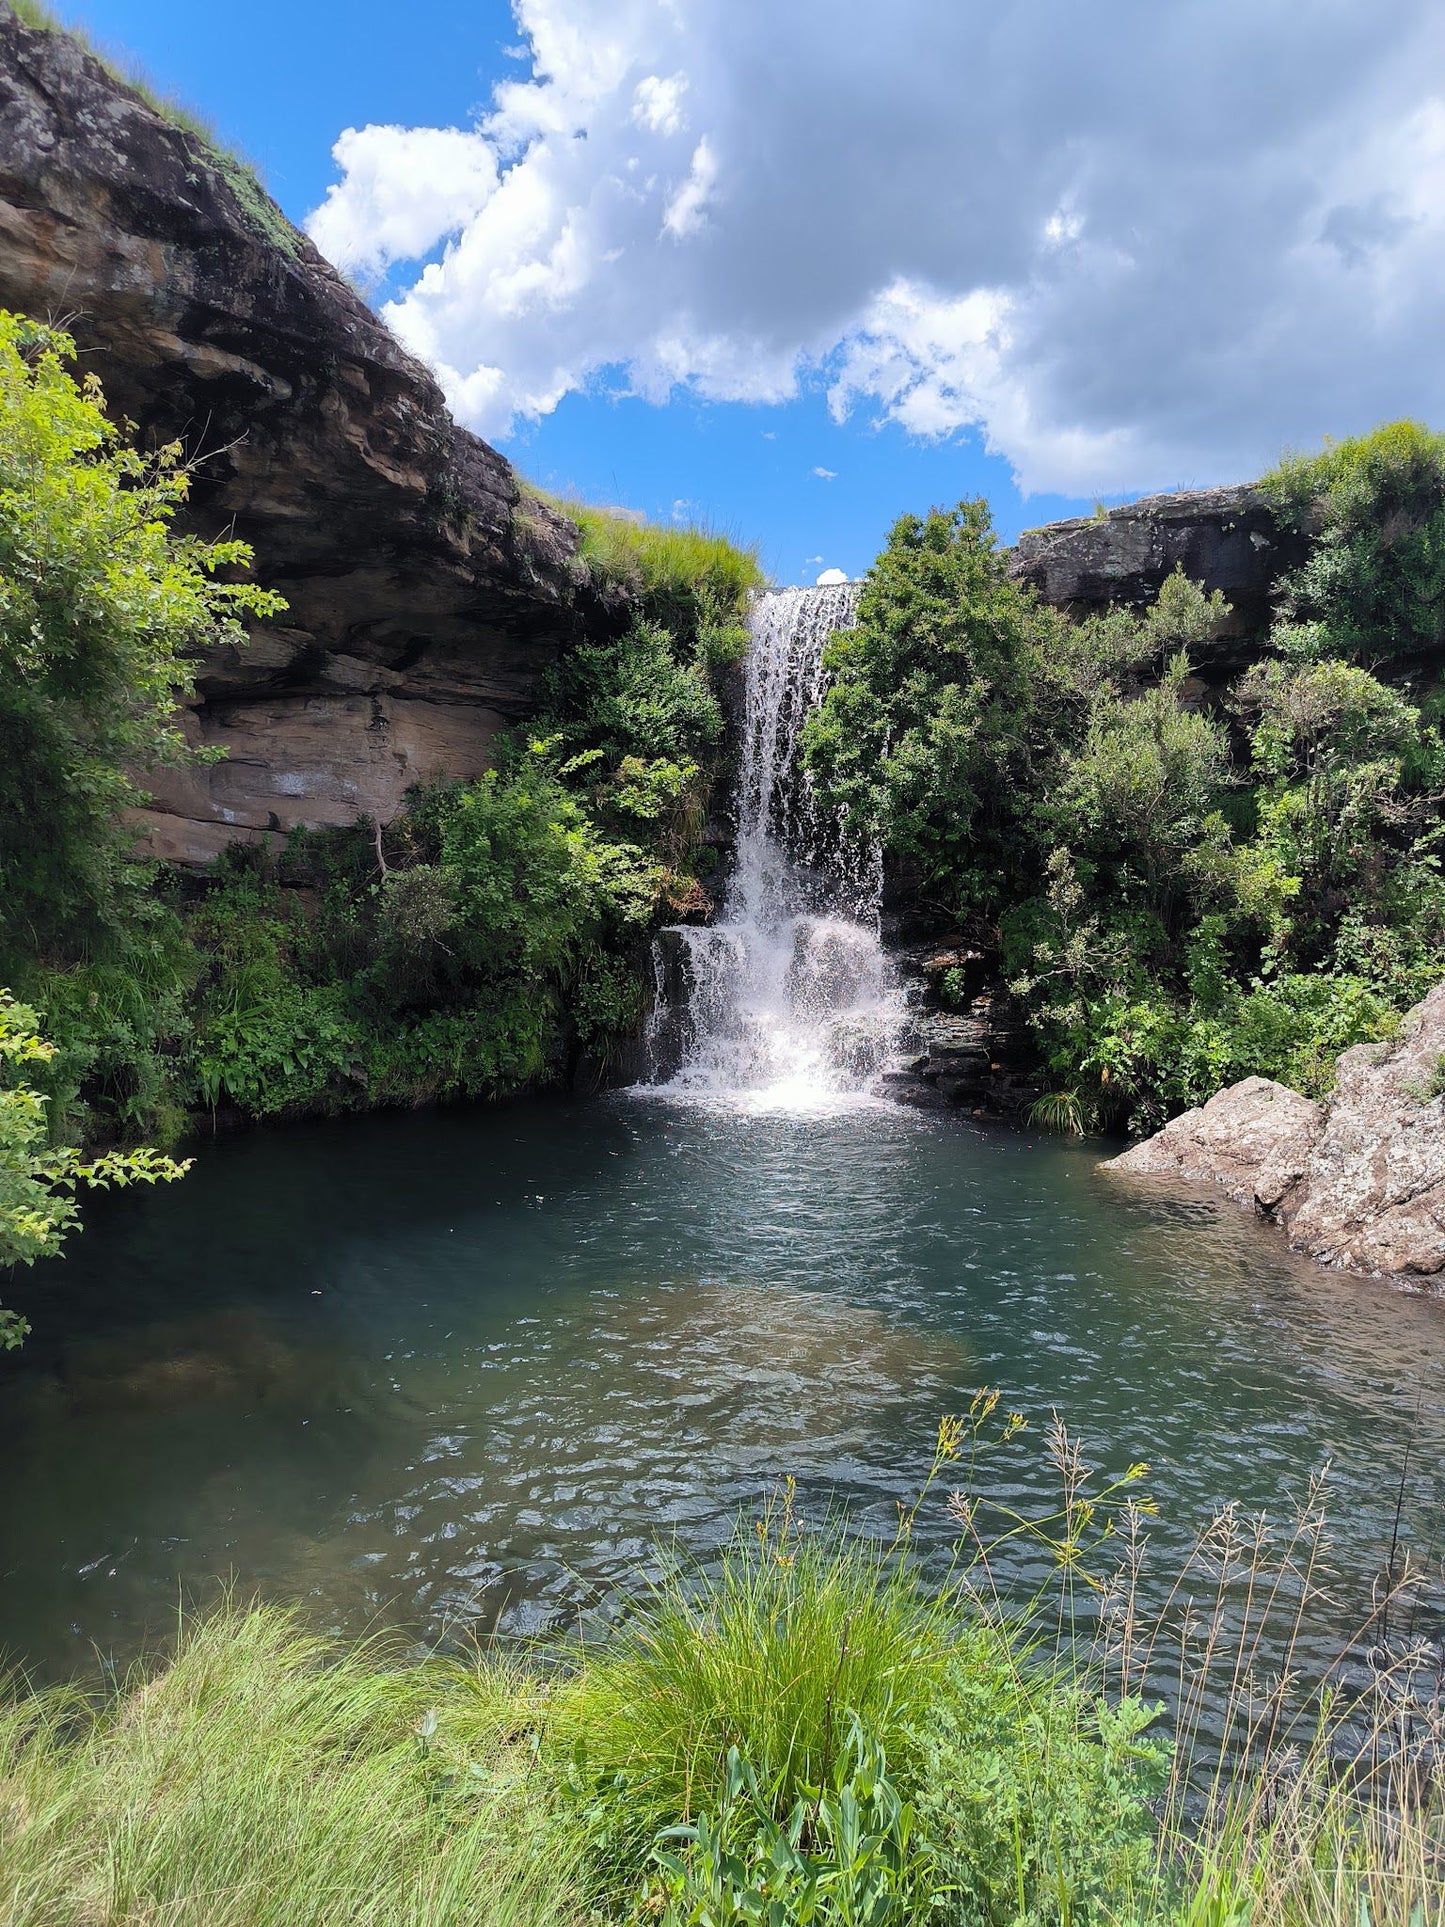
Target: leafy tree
38	1181
923	741
1181	888
103	607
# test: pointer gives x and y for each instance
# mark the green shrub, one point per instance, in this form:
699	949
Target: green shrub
471	1053
847	1854
922	740
774	1652
1373	586
1035	1795
291	1050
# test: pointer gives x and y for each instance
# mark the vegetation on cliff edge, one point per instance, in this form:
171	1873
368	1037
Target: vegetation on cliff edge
494	934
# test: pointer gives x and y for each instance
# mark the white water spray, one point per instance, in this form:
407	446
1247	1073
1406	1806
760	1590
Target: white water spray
789	1002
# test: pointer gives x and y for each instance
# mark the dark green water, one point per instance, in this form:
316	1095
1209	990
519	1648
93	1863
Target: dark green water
461	1368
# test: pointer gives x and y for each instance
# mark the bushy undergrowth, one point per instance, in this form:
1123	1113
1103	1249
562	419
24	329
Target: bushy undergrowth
485	940
493	935
1184	878
801	1736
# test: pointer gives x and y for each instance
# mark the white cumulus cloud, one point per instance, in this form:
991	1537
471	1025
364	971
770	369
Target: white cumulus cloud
1128	245
657	103
402	190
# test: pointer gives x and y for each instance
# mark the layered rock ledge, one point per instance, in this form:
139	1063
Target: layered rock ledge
1358	1181
1223	538
426	593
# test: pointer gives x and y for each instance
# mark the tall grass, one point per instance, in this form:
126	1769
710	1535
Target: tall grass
1303	1779
771	1652
692	580
806	1734
266	1778
664	559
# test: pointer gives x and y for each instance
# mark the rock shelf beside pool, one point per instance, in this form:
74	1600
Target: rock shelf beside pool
1356	1181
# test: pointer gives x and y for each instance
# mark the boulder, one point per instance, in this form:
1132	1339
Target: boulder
1374	1197
1254	1139
1358	1181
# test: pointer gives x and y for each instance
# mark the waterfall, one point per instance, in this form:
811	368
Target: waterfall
787	1000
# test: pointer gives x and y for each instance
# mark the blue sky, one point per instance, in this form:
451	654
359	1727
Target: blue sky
785	268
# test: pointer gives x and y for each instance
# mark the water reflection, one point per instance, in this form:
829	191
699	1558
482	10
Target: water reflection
468	1368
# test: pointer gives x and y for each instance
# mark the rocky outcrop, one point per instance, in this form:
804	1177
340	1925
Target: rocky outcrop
961	1049
1225	538
1358	1181
1374	1197
1254	1139
426	596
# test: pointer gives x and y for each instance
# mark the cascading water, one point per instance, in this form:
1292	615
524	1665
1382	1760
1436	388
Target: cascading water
787	1000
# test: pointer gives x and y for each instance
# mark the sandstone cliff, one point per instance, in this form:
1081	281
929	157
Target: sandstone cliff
423	604
1358	1181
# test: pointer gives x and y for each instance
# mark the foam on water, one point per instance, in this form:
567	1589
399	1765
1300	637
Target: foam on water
787	1002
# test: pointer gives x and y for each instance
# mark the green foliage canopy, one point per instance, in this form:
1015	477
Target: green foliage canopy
103	607
1183	886
1373	587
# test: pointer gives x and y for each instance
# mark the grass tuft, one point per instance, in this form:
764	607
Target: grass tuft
770	1652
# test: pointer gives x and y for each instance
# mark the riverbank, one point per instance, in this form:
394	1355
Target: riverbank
804	1732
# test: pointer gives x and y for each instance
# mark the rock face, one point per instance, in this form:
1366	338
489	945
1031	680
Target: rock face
1224	538
1375	1193
426	596
1254	1139
1358	1181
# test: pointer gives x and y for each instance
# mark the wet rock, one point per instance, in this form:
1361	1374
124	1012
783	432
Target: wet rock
1358	1181
957	1060
906	1088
